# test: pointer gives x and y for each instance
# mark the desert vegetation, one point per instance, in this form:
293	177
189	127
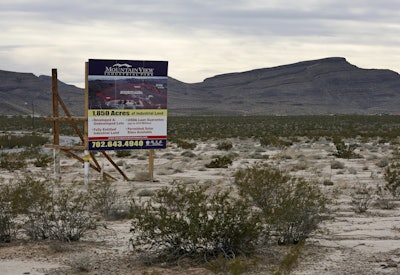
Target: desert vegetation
234	195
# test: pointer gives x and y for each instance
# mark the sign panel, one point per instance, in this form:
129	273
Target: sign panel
127	104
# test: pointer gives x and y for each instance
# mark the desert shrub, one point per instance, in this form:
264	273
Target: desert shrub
123	153
291	206
8	227
63	217
146	193
384	198
12	161
224	145
232	266
290	260
192	221
396	153
103	197
258	155
188	154
232	155
185	144
392	177
344	150
142	157
337	165
274	141
327	182
383	163
220	162
49	214
352	171
18	141
26	192
169	156
361	198
301	165
42	160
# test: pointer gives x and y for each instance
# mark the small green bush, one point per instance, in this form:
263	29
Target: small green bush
232	266
327	182
220	162
188	154
274	141
12	161
123	153
63	217
8	227
146	193
224	145
42	160
392	177
27	192
344	150
47	213
185	144
191	221
19	141
382	163
384	198
258	155
103	197
361	198
169	156
337	165
292	207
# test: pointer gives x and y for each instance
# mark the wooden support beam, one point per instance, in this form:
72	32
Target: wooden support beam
115	165
56	125
56	99
73	124
82	160
93	157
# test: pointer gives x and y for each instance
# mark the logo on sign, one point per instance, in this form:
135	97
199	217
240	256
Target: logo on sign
154	143
125	69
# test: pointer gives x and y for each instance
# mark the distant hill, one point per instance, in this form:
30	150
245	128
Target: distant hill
324	86
24	93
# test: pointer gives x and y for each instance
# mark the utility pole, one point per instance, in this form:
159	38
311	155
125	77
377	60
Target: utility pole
33	116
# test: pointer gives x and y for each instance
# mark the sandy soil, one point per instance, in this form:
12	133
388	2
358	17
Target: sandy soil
347	243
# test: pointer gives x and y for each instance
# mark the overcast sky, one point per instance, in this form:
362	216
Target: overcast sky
199	38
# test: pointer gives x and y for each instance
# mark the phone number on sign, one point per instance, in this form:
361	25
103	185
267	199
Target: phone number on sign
116	144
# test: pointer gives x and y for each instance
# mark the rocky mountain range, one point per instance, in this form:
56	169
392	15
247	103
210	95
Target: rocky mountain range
27	94
315	87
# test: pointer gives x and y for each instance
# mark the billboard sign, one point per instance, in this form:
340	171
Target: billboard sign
127	105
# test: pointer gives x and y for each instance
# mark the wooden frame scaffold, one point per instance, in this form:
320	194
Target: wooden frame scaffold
56	119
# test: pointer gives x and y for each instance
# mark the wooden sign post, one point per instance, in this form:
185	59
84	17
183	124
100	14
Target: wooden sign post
56	125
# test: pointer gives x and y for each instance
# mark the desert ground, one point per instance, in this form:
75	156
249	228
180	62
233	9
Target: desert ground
347	243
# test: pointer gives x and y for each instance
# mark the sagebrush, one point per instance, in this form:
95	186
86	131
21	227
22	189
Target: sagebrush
292	207
195	221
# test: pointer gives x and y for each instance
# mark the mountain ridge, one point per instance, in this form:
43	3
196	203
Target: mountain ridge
324	86
314	87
